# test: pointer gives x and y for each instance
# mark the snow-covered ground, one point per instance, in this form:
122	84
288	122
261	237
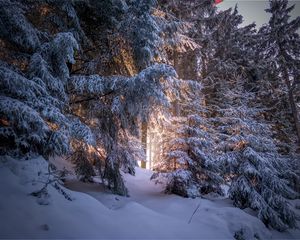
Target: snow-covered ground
147	213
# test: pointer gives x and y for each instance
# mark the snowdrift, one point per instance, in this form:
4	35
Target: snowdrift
93	213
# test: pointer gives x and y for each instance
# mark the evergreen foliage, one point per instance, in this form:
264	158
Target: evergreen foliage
78	79
185	155
15	28
195	170
255	168
128	100
280	45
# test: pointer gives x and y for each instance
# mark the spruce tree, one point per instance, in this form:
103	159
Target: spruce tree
246	150
69	113
280	40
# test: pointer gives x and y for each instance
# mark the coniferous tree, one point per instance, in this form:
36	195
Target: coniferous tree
281	50
91	109
229	70
185	155
58	104
256	169
32	112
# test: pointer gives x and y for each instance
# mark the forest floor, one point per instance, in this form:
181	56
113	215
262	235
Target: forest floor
95	213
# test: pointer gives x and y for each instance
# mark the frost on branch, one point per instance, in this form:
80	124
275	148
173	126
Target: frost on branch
15	28
117	105
26	131
256	168
44	127
185	154
25	108
50	63
131	96
195	171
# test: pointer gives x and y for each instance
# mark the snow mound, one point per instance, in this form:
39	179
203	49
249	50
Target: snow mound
147	214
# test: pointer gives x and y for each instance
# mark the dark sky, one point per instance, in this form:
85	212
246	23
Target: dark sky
253	11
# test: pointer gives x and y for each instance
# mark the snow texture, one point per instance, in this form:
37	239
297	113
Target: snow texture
146	214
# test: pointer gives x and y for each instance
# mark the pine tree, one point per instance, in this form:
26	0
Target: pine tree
128	100
195	171
115	106
244	140
281	51
71	114
43	128
91	109
185	155
251	158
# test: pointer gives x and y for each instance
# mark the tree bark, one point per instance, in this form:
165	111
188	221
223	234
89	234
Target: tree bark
295	114
144	142
292	103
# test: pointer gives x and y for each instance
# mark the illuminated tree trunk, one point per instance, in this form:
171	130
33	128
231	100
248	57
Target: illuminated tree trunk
144	142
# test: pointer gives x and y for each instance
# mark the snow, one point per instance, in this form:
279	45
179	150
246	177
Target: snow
147	213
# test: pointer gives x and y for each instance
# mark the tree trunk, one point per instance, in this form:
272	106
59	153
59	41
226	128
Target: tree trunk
295	114
144	142
292	103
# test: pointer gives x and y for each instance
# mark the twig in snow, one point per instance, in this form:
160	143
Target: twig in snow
194	213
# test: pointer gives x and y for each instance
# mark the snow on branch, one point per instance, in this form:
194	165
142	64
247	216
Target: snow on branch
14	26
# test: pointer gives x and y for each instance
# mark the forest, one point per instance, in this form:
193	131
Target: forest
210	106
